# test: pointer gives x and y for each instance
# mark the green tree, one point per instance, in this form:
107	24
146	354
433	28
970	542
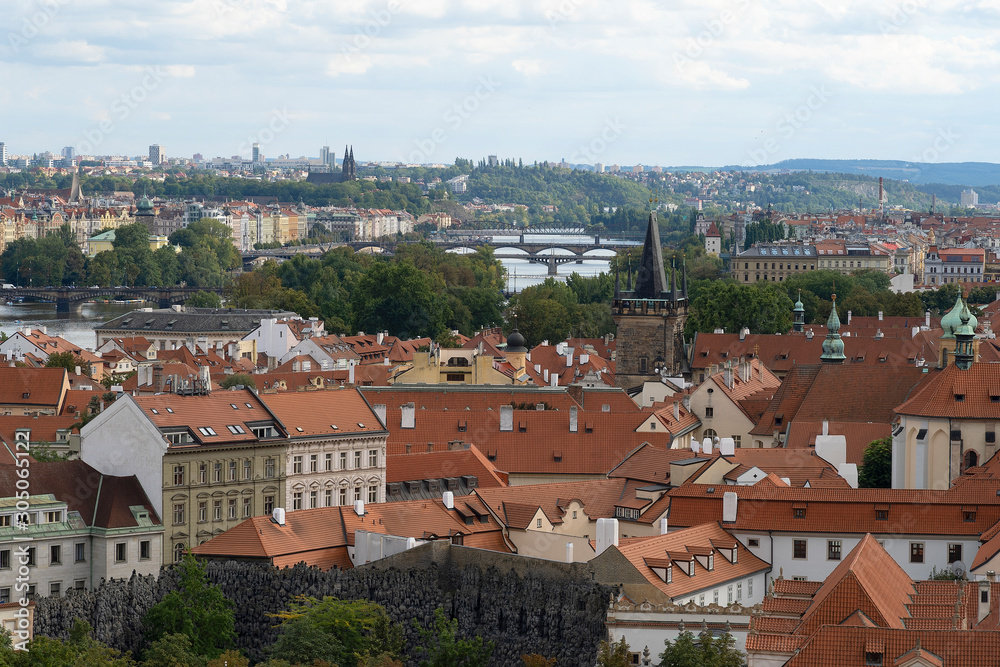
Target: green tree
876	465
171	651
701	651
203	299
762	307
440	645
400	298
69	361
80	651
244	379
334	630
197	609
615	654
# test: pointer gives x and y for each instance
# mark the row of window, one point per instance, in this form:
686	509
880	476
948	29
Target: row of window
312	498
79	554
229	472
834	550
781	266
54	516
55	589
232	509
734	593
957	269
299	463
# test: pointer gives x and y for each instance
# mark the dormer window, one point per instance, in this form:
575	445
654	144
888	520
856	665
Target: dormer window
799	512
873	659
959	398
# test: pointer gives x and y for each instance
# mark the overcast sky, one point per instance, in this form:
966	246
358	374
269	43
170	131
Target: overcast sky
687	82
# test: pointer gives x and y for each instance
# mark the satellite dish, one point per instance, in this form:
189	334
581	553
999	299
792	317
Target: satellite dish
958	567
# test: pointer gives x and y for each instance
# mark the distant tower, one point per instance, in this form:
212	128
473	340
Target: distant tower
833	346
650	319
349	169
3	153
325	156
516	350
255	153
145	213
965	334
799	315
157	155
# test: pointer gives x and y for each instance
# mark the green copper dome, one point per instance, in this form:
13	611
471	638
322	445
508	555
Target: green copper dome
798	304
953	319
144	204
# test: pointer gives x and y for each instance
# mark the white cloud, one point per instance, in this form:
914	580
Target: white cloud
78	51
180	71
528	67
348	63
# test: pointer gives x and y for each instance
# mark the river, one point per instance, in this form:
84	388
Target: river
76	326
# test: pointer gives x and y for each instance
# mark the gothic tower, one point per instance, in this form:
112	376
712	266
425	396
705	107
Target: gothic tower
650	319
349	169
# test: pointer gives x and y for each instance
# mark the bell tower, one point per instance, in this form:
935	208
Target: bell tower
650	318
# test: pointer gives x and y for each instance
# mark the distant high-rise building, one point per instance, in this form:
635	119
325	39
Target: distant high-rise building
492	160
970	197
256	153
599	167
198	157
3	153
157	155
69	153
326	157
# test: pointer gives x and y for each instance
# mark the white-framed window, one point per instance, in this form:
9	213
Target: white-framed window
297	465
217	510
329	461
297	500
328	497
372	493
121	552
247	507
202	510
232	508
372	458
357	459
313	499
313	462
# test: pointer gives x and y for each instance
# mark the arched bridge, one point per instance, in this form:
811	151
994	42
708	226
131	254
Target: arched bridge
66	298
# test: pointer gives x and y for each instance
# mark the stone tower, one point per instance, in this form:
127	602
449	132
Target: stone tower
145	213
650	319
349	168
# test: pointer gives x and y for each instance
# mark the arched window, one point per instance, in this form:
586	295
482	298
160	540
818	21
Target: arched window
179	550
710	433
971	459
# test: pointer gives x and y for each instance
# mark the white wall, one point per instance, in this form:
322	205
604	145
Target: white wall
122	441
816	566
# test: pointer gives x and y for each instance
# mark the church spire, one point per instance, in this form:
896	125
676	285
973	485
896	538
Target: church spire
799	315
965	353
618	282
833	346
651	282
684	271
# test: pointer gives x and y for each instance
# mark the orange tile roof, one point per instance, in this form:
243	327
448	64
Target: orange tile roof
648	552
306	414
311	535
43	428
867	579
32	386
839	393
649	464
598	497
841	510
437	465
218	410
835	646
956	394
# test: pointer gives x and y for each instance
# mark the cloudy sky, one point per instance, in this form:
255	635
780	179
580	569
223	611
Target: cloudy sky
669	82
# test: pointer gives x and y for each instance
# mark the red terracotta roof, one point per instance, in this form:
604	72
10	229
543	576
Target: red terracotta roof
319	536
841	510
957	394
437	465
648	552
835	646
32	386
227	413
315	413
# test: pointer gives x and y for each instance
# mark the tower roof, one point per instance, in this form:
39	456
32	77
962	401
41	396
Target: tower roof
833	346
652	279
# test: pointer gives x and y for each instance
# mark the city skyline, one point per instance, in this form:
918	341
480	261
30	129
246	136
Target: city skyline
708	84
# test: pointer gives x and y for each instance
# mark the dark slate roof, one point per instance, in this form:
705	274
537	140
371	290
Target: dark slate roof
651	281
192	320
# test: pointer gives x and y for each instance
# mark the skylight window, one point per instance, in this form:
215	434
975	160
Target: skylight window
234	428
233	406
360	425
155	411
248	405
207	430
170	410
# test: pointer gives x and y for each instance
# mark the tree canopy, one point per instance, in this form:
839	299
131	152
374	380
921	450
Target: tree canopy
876	465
